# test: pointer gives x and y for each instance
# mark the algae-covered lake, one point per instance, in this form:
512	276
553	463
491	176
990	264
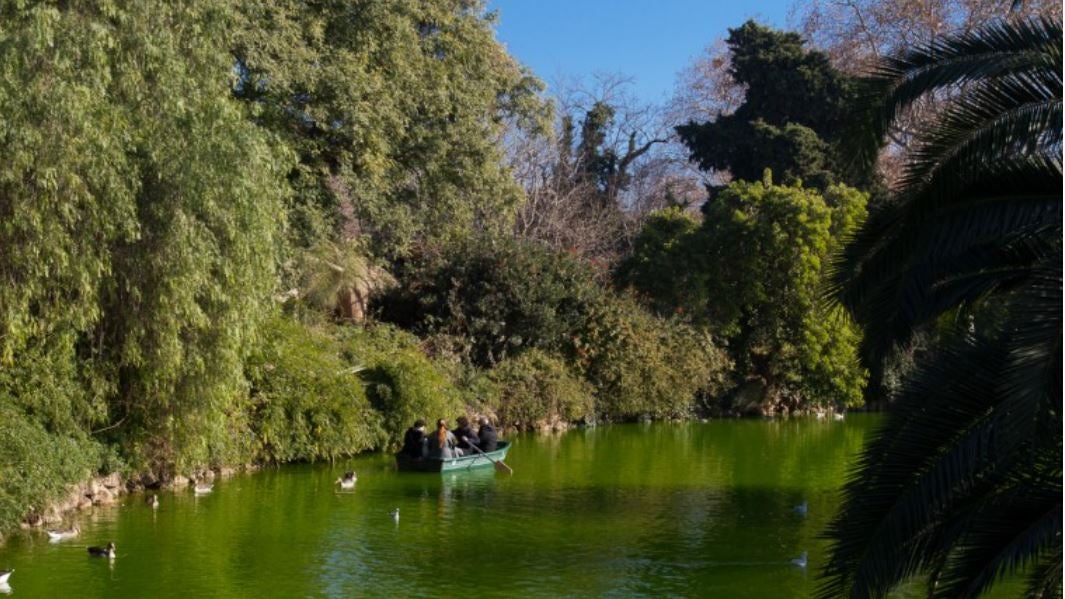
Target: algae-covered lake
694	509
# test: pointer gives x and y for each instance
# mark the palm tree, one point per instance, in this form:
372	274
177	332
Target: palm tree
339	277
963	483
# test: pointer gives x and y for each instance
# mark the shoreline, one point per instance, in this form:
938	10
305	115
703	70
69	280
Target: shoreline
107	490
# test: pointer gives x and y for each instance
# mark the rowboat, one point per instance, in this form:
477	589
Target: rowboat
466	462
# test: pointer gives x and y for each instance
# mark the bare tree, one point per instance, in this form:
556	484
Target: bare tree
855	33
611	160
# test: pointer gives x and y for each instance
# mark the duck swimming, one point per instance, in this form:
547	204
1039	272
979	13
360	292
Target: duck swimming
395	515
108	552
348	480
802	508
59	535
800	561
4	575
203	488
153	501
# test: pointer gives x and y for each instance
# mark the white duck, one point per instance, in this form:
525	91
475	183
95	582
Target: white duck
395	515
4	575
62	535
800	561
203	488
348	480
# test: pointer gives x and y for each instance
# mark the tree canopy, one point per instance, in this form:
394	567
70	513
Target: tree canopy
396	111
752	273
791	118
139	206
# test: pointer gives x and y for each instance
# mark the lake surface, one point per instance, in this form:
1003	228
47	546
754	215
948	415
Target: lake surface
696	509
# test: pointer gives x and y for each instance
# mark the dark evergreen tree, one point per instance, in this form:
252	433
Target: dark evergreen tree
791	119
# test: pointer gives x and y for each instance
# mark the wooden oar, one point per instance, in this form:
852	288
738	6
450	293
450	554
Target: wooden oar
501	466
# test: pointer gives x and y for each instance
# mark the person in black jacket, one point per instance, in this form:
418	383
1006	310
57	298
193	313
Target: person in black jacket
487	439
414	440
464	434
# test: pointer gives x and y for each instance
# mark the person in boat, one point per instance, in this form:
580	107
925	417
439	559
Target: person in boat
442	443
415	441
487	440
464	434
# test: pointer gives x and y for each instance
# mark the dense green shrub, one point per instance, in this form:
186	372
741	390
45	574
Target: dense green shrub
753	274
493	297
36	464
665	263
535	387
307	402
640	364
489	300
402	383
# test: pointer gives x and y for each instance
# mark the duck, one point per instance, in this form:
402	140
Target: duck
802	509
153	501
108	552
800	561
203	488
59	535
838	416
5	574
348	480
395	515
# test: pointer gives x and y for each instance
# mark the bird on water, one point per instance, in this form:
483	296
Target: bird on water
108	551
63	534
348	480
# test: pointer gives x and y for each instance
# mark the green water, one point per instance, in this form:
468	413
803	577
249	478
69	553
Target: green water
682	509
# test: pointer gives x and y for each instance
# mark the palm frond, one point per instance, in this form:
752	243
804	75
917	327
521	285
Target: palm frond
1000	49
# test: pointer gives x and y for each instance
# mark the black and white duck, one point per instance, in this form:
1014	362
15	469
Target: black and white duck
348	480
108	552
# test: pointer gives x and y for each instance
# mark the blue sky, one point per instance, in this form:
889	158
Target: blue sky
648	40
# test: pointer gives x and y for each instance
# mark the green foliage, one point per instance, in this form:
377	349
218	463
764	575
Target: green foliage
490	300
139	205
493	297
402	383
963	483
792	117
37	463
766	249
752	272
660	266
535	387
307	402
640	364
396	110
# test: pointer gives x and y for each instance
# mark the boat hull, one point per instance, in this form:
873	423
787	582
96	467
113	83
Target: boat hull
468	462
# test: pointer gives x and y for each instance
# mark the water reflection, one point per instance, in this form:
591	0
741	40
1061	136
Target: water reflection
705	509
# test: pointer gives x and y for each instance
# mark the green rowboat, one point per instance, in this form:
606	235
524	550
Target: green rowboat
466	462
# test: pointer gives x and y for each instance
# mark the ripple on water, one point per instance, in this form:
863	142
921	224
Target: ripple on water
696	509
